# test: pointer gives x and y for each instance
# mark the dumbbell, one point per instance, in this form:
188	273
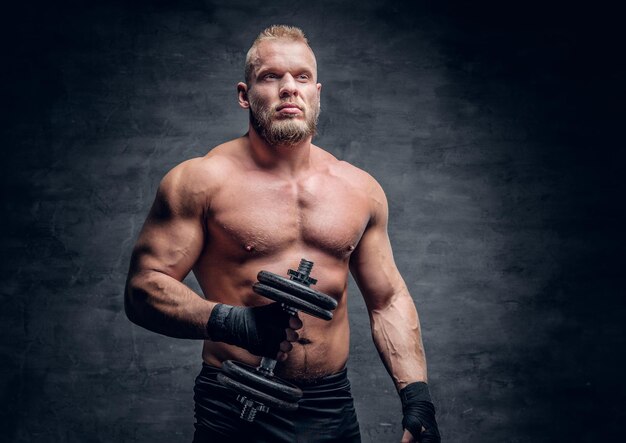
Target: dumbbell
258	388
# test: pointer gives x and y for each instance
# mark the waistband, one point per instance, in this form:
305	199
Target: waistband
332	381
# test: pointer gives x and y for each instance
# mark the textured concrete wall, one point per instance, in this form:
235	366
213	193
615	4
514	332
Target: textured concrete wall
493	130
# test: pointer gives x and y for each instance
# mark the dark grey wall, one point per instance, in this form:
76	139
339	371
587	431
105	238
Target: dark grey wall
493	129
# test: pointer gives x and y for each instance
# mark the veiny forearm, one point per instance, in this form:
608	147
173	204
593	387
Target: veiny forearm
397	336
162	304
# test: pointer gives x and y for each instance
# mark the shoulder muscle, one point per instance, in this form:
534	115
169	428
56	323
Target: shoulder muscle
368	185
185	191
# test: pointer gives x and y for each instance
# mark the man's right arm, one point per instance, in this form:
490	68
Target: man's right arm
169	244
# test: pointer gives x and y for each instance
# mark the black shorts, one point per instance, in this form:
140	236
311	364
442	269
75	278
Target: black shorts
325	414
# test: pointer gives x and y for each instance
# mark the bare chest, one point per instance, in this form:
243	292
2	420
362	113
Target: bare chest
257	215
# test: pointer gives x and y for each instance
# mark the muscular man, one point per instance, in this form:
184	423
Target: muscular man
262	202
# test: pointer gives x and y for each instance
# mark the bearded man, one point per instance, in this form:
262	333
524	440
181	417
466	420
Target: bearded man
263	201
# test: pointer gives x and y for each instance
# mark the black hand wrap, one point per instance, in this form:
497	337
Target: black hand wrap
260	329
419	411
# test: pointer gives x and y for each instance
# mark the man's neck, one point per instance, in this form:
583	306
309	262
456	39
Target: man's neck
288	160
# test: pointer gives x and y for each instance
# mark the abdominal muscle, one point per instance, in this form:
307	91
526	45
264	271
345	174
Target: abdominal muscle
323	346
320	352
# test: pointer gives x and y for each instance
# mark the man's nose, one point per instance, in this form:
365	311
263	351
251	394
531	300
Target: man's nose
288	86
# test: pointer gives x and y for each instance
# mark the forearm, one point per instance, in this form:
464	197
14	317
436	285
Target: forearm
162	304
397	335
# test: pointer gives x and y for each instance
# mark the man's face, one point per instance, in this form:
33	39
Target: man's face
283	95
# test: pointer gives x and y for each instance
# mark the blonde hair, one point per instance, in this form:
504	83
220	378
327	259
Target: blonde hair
273	32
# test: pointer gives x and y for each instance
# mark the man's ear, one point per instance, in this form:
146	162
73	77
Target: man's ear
319	95
242	95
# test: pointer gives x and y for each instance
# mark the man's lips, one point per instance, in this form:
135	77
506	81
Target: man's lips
289	108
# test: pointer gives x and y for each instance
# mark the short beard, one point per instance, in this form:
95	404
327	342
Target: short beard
287	131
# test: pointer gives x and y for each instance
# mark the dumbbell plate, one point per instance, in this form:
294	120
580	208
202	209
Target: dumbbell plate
255	394
271	385
292	301
299	290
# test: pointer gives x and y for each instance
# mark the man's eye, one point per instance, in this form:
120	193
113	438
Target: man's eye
269	76
303	77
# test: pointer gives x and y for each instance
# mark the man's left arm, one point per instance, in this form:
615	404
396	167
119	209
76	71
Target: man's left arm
394	322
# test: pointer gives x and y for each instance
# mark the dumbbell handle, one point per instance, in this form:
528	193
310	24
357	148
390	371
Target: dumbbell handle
267	366
301	276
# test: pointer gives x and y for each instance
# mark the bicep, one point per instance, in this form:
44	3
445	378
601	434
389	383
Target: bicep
173	235
372	263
